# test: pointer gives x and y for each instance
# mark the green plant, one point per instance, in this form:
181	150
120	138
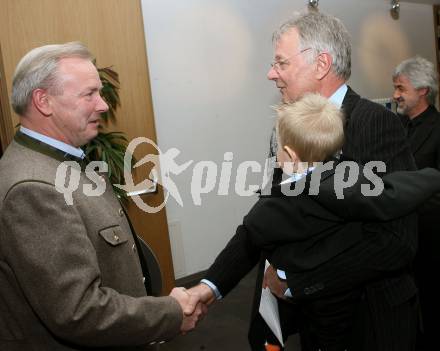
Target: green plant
110	147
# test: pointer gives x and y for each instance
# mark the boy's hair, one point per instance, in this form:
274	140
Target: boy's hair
313	127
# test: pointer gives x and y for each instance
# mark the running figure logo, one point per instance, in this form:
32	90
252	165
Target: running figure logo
164	162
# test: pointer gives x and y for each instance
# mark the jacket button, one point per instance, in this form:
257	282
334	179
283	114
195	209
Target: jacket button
121	212
116	237
134	248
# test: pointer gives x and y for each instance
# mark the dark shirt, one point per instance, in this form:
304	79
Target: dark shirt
411	125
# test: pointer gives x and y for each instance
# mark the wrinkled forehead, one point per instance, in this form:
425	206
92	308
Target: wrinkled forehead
288	43
76	66
79	71
401	80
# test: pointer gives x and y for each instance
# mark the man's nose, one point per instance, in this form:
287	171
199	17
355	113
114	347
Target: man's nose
272	74
396	95
101	106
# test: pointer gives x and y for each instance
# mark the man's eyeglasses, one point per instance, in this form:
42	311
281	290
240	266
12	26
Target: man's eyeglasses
281	65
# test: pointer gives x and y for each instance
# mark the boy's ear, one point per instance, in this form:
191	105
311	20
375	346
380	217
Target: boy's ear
292	154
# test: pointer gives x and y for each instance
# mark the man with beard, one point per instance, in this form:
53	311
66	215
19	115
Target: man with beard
415	91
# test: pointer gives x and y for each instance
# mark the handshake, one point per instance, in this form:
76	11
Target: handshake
194	303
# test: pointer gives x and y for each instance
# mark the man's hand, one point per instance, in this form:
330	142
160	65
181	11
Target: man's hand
271	280
204	292
193	310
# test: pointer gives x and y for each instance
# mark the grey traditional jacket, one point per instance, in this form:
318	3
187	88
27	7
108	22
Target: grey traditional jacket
70	277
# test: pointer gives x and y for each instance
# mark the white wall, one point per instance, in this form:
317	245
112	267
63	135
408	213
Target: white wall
208	61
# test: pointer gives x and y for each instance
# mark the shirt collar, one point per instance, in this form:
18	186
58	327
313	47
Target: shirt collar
421	117
69	149
297	176
338	95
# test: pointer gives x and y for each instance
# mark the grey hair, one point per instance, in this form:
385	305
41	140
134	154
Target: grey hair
322	33
421	73
39	68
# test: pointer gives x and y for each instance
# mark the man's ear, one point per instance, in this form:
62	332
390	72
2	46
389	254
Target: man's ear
423	91
40	99
323	64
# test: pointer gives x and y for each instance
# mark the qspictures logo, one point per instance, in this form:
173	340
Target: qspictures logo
208	176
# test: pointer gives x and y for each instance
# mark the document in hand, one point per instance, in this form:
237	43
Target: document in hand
269	311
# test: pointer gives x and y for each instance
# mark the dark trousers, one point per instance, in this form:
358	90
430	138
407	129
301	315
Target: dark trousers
324	324
357	320
381	326
427	263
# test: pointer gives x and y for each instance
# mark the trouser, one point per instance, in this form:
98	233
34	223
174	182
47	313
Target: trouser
324	324
356	320
426	264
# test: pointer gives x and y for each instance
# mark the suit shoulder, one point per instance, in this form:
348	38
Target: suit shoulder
22	165
374	108
269	209
372	116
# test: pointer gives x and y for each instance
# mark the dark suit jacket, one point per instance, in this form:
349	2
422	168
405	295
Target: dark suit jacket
313	233
425	146
425	142
372	133
70	277
307	232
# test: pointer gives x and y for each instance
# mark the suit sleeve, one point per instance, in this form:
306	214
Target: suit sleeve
56	267
238	257
403	192
375	134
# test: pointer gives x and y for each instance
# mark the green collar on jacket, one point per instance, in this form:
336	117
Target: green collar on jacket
43	148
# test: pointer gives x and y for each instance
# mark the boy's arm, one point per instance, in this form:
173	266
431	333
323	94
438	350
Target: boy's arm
403	192
330	278
366	261
431	207
275	221
255	235
342	273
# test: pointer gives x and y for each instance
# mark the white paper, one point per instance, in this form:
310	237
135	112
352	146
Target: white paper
269	311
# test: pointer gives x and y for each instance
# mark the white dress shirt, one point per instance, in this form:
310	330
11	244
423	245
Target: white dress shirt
68	149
